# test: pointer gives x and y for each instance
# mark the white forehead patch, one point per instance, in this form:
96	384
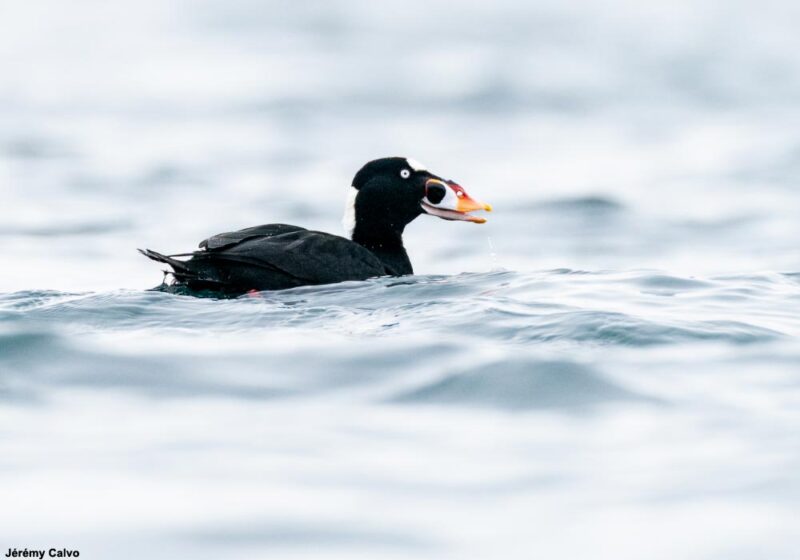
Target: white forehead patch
349	218
415	165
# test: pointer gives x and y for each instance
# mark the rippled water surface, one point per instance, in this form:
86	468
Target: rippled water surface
609	368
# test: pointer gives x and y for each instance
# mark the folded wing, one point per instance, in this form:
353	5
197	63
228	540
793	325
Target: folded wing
273	257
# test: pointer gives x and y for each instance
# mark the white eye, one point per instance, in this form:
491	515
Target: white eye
405	173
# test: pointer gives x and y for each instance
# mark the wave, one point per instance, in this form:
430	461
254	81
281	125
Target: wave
510	340
637	308
520	384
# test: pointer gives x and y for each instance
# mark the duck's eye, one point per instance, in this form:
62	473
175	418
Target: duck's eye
405	173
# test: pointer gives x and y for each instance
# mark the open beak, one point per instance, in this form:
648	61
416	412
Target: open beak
449	201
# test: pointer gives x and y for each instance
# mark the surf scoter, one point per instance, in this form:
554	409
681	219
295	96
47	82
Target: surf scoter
386	195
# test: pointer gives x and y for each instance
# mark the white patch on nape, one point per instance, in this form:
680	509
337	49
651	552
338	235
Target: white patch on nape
349	218
415	165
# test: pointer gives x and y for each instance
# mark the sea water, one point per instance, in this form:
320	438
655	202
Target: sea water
609	368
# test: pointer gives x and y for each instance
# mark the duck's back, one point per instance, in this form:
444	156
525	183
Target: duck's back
273	257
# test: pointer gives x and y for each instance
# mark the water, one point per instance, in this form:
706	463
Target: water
607	369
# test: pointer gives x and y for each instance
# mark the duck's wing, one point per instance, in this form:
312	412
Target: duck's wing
272	257
299	257
228	239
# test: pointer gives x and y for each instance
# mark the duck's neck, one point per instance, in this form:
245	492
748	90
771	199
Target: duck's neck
387	245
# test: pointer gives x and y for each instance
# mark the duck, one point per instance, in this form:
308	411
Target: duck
385	196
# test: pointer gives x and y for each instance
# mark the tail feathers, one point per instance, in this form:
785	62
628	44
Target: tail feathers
179	267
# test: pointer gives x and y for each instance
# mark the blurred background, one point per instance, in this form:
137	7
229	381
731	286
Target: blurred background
606	134
618	379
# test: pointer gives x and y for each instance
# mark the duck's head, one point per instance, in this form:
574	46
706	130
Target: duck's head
388	193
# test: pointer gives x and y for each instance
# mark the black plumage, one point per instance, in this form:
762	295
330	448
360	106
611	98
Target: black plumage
389	194
273	257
